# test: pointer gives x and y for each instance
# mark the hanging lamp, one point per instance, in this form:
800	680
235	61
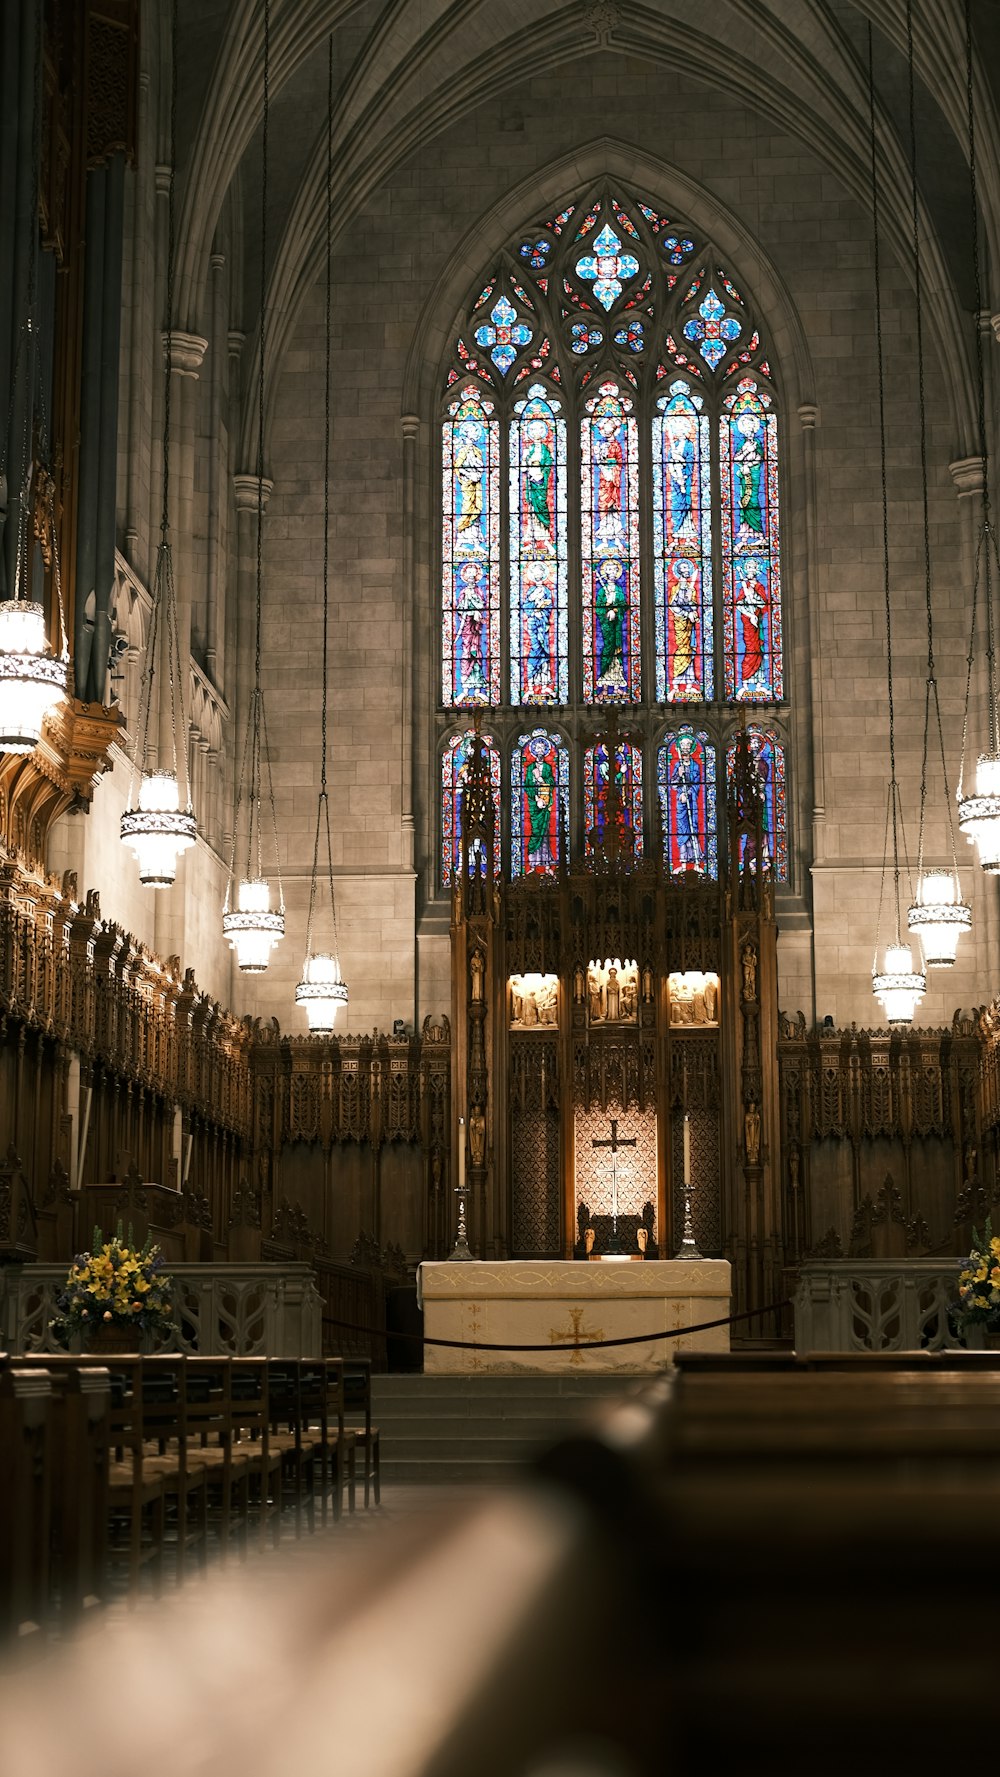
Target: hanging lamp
158	822
979	813
938	916
252	926
33	680
322	990
897	984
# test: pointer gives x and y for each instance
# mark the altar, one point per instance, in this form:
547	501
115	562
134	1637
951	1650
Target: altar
562	1306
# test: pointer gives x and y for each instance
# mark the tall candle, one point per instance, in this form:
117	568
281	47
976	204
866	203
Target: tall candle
461	1153
687	1149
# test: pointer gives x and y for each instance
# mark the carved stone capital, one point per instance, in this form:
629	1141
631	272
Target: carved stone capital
186	351
967	474
245	492
995	324
410	424
808	416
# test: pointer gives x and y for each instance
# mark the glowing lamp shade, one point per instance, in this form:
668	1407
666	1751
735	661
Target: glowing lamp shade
32	680
158	830
979	815
938	918
322	991
899	987
252	929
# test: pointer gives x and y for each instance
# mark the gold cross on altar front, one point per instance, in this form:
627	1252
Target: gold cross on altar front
576	1333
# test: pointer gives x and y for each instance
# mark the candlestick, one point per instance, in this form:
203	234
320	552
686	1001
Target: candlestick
461	1153
687	1149
461	1251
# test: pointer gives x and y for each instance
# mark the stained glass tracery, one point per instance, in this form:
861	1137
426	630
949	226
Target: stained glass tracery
682	547
610	548
538	594
686	788
454	767
539	802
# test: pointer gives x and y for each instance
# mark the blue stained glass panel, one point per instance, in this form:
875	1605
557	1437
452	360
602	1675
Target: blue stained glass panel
539	666
607	268
685	781
454	764
712	330
539	803
503	334
682	547
470	442
748	456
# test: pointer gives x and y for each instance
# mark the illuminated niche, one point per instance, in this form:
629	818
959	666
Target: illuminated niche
534	1001
612	991
694	997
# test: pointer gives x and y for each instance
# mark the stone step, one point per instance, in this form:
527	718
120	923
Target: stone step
465	1429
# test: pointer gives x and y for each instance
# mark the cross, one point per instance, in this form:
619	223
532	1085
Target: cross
615	1142
576	1332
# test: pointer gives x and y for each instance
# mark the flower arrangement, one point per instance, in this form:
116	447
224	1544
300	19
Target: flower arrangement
114	1284
979	1282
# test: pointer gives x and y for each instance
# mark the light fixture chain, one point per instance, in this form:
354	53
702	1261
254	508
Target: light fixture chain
274	817
260	352
882	453
980	376
326	391
168	319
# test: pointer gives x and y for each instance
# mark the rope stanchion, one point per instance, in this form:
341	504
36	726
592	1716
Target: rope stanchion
701	1326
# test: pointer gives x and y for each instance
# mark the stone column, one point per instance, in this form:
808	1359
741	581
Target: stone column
411	429
813	637
967	474
140	372
214	635
245	493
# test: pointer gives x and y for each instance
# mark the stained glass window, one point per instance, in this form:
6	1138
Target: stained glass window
471	551
609	315
682	547
454	764
539	663
748	453
597	803
539	802
685	782
610	549
769	757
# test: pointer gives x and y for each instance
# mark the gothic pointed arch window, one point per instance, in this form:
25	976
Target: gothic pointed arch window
609	408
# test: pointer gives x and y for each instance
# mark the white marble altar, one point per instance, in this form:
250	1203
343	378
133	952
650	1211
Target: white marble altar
561	1304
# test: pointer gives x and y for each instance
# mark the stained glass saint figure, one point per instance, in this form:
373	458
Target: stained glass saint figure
610	549
539	785
539	665
471	555
748	451
686	784
682	538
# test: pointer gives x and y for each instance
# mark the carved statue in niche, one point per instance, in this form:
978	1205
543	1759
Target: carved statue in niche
749	964
579	985
477	1135
751	1132
642	1239
629	995
477	966
595	991
647	986
436	1171
516	1000
612	996
529	1006
548	1000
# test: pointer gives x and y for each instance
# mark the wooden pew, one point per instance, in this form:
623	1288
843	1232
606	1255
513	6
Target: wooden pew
342	1438
292	1434
252	1424
25	1498
358	1406
78	1452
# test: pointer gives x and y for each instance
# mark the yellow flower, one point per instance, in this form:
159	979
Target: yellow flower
977	1302
995	1245
981	1273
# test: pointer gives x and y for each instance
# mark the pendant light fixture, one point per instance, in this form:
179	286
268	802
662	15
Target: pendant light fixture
322	990
252	926
938	916
32	679
898	985
155	824
979	813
